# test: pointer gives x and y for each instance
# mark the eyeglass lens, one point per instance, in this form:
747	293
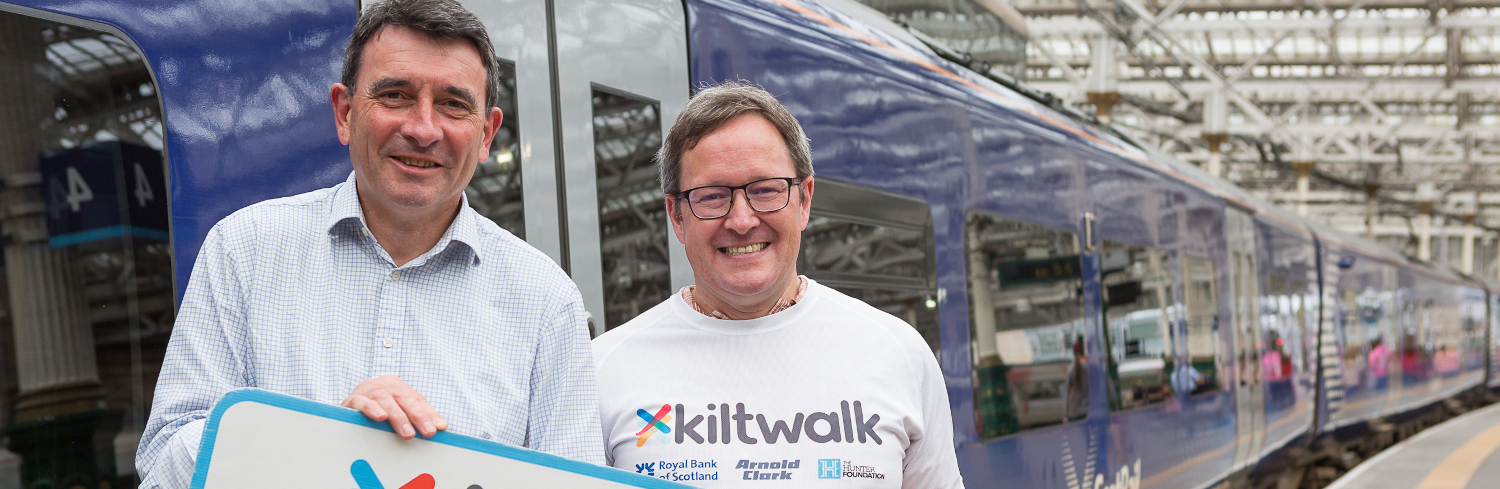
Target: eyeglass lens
764	196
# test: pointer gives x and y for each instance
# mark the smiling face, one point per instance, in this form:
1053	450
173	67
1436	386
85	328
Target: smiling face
745	260
416	123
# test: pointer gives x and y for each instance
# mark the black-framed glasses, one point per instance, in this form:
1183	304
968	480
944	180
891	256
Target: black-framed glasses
714	201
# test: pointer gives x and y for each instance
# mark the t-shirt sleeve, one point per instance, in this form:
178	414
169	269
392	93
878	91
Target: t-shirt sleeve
930	461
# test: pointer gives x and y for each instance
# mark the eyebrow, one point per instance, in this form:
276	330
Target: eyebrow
462	93
391	82
388	83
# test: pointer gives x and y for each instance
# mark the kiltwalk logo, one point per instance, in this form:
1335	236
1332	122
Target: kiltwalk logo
651	424
364	477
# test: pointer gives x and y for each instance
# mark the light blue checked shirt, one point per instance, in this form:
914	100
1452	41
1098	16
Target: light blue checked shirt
293	295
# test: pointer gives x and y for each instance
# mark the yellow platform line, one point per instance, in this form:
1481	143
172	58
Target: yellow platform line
1455	471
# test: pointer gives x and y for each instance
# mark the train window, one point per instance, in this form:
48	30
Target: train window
632	214
874	246
1301	297
1355	339
86	303
1137	284
1200	374
495	191
1280	331
1025	325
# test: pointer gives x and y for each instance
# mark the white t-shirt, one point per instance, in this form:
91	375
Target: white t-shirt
828	393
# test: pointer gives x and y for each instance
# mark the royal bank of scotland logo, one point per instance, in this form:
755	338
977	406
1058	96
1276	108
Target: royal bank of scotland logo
650	424
830	468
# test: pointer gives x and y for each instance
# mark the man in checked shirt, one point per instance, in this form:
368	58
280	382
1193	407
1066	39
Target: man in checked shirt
387	293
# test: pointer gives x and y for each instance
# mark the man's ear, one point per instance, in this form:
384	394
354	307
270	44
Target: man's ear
807	195
675	214
491	124
339	96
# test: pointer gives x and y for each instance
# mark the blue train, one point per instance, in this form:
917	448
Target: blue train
1106	316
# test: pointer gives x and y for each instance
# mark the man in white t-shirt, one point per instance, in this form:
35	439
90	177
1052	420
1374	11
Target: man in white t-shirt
755	375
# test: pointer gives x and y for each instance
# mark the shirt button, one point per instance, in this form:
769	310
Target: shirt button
395	275
388	342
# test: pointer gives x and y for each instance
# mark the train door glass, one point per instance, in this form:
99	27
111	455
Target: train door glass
1137	284
1303	314
1473	330
1250	413
1025	325
1384	363
1280	336
877	247
632	214
1200	374
86	302
626	80
1494	335
1278	363
1354	340
495	191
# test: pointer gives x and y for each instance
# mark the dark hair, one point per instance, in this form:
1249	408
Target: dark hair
710	109
444	19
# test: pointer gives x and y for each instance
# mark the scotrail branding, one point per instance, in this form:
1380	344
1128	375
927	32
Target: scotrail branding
849	424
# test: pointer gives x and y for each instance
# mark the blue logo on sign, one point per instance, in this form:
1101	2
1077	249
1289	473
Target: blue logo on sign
830	468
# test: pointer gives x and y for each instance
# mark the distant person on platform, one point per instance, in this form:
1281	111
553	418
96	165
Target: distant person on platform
387	293
754	373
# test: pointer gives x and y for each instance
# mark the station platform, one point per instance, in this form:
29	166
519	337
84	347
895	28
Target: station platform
1461	453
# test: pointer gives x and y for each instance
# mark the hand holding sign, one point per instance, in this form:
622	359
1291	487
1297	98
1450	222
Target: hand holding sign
389	398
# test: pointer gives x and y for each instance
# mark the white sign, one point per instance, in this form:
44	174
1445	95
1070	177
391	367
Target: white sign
259	439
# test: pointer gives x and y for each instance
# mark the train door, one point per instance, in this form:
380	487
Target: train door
597	95
1387	353
1250	414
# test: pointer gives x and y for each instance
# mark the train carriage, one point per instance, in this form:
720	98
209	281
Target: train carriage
1104	314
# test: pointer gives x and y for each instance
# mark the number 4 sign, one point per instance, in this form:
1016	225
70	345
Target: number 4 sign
100	192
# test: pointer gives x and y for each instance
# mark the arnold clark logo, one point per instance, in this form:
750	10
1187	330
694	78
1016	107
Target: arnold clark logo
847	424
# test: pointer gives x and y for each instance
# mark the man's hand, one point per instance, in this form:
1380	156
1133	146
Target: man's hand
389	399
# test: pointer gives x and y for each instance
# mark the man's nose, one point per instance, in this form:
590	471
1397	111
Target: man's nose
741	218
421	125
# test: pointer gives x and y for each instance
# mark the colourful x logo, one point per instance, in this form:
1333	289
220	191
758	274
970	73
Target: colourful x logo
653	424
364	476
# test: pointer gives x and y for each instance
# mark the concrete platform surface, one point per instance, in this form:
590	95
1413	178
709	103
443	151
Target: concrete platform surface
1461	453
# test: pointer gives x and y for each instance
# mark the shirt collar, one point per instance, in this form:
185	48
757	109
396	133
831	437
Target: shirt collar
347	216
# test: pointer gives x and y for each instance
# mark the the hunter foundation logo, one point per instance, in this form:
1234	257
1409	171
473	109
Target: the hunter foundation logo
364	477
846	425
652	424
833	468
830	468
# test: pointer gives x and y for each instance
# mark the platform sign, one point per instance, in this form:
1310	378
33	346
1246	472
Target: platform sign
103	191
258	439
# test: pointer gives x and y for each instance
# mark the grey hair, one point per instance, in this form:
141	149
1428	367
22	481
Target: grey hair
714	106
443	19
